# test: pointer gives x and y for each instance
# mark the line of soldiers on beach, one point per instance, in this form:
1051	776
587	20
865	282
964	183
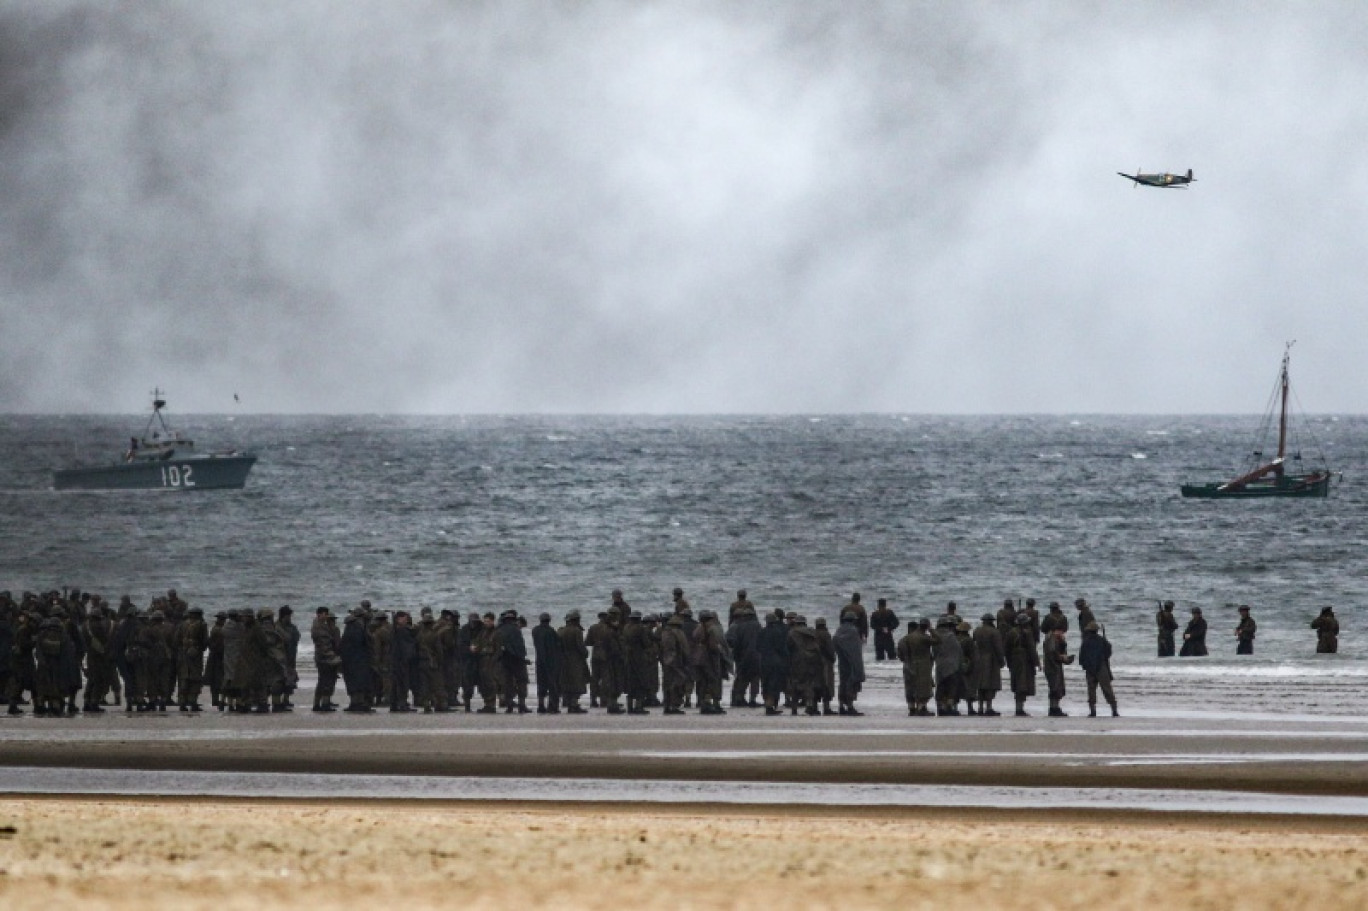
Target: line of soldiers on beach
1246	629
62	646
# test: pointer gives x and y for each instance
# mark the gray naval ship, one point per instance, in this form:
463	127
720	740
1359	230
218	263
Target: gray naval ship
161	459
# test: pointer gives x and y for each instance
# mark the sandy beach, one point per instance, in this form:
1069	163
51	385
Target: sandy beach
253	854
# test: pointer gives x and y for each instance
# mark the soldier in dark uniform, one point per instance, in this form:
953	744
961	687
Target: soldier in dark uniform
432	695
1030	611
513	663
1054	619
403	657
189	644
593	640
948	663
636	649
327	645
713	665
213	665
1327	632
1244	632
915	651
48	698
674	662
574	680
99	633
272	665
850	663
1006	616
965	634
774	661
158	661
486	649
805	666
884	623
1085	614
546	644
1194	637
470	660
990	657
739	606
452	659
686	618
826	691
1168	625
861	616
1023	662
1094	656
743	638
23	669
652	622
1054	656
125	625
73	651
613	683
291	636
357	664
382	655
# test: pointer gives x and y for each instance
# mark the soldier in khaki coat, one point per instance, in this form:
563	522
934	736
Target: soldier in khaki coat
990	656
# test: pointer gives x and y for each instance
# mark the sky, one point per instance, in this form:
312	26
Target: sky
458	207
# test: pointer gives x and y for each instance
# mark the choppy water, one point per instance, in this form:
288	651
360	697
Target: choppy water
549	513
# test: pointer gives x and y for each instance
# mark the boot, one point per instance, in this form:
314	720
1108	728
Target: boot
1092	710
1115	713
771	710
969	708
1057	712
1021	708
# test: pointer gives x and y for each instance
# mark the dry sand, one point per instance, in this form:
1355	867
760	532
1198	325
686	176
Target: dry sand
62	852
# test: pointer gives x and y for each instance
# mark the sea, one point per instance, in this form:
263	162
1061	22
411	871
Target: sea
549	513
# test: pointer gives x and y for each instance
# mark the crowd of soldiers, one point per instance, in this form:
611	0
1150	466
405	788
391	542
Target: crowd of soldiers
60	645
1194	644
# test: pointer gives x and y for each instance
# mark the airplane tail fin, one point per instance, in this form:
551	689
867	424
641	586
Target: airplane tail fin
1189	175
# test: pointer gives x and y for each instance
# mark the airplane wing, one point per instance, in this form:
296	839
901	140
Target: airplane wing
1128	176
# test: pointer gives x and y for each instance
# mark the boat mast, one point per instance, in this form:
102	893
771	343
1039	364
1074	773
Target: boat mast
1282	418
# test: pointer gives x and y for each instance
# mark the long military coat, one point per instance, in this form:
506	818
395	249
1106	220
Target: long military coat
989	658
574	678
914	651
1023	661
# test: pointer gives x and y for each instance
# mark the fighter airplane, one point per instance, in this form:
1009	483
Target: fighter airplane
1162	181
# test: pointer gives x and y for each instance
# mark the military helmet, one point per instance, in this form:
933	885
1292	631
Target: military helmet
1080	602
679	592
1244	608
285	609
320	610
195	610
1168	605
821	622
741	593
572	615
988	618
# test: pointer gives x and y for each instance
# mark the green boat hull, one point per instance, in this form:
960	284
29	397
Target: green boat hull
1311	485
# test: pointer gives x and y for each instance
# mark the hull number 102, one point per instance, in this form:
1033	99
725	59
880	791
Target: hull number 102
178	476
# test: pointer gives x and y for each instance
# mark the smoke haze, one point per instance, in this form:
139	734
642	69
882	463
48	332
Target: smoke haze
460	207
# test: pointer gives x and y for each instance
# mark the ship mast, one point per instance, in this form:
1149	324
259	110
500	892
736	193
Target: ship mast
1282	418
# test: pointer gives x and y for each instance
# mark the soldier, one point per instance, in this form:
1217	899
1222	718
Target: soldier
453	658
861	617
73	651
513	663
686	618
1327	632
1194	637
1094	655
619	603
175	608
99	634
1006	616
774	661
48	698
1085	614
574	681
1030	611
1244	632
403	657
189	643
850	661
740	606
964	633
1167	625
485	647
357	664
949	658
547	646
989	658
826	690
1054	655
23	669
680	603
805	665
743	638
158	661
382	656
327	645
125	625
291	636
613	683
1023	661
470	661
213	665
268	649
636	648
593	640
713	663
915	651
674	663
884	623
652	622
1054	619
432	696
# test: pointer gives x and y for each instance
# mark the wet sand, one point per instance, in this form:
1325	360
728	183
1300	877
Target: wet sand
252	854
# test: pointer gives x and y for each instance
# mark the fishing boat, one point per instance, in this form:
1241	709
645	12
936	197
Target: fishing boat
161	459
1271	477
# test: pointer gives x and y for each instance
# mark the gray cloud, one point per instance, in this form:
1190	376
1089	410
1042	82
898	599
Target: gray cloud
461	207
